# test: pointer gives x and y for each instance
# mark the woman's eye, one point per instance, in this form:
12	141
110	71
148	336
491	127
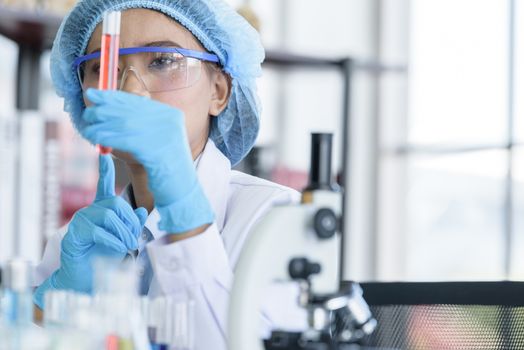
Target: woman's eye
165	62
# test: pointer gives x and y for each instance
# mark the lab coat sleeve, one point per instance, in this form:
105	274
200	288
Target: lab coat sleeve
51	259
197	266
202	267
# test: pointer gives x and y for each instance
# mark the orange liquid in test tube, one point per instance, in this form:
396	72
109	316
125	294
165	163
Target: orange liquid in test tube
109	57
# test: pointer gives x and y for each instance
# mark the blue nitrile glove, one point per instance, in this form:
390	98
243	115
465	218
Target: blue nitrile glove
109	227
155	134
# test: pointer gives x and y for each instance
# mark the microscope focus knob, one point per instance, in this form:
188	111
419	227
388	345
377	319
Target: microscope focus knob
302	268
325	223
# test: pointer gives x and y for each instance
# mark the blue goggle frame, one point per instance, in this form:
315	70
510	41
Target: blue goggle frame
203	56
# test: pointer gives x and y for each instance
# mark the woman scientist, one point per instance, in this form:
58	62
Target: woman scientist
187	110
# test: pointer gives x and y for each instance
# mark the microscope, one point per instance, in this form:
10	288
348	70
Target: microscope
301	243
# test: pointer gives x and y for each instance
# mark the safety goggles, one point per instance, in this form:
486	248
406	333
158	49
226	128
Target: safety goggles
159	69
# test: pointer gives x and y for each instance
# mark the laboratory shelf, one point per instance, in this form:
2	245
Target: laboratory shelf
287	59
29	28
33	32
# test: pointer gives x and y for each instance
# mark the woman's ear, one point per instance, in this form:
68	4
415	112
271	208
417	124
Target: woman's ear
220	92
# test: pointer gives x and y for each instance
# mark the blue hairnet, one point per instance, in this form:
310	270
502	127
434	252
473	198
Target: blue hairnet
219	29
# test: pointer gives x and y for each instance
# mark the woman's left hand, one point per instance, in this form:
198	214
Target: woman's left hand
155	134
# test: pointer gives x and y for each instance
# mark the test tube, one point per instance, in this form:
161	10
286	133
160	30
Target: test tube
17	304
109	57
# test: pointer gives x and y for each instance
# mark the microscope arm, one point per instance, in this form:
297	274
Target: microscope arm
285	233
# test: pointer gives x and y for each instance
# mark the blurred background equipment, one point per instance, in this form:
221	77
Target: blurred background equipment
17	332
115	317
35	180
59	7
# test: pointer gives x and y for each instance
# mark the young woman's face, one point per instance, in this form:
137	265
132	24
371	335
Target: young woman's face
141	27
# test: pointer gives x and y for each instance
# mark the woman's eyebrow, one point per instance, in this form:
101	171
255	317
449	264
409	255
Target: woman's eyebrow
164	43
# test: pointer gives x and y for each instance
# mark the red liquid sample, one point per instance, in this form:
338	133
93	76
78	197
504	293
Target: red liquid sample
112	342
108	70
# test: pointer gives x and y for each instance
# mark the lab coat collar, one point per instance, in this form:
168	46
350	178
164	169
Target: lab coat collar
214	173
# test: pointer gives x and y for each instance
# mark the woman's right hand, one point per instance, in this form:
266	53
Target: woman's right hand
109	227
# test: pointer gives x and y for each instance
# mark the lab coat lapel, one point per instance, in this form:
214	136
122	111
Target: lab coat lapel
214	173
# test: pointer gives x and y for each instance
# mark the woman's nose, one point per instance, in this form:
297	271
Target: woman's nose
132	83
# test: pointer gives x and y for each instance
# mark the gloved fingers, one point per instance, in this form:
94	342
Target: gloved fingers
95	96
109	111
125	212
135	124
95	114
110	222
78	239
100	97
140	138
115	134
106	112
82	231
141	213
106	178
106	239
115	105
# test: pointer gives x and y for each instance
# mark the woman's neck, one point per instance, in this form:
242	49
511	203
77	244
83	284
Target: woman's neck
143	197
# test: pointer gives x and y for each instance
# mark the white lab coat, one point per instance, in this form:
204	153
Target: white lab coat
204	265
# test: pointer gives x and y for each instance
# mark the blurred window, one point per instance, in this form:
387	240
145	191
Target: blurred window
452	164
